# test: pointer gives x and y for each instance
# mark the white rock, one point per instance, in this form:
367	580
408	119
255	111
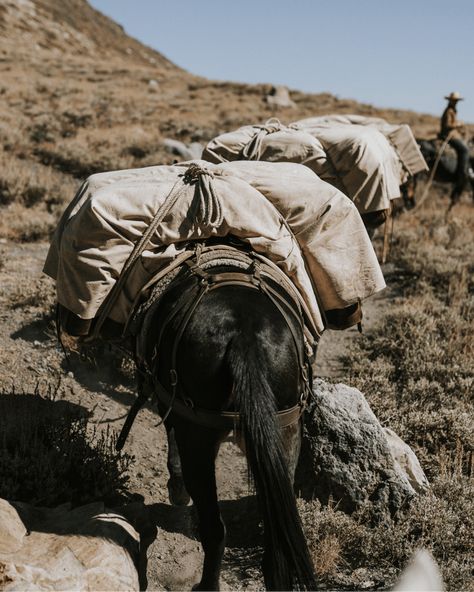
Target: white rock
406	459
187	152
422	575
12	529
280	97
153	85
81	549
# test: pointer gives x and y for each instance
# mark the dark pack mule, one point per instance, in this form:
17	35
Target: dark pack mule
447	169
224	349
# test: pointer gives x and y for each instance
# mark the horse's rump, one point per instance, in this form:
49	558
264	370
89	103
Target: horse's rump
181	291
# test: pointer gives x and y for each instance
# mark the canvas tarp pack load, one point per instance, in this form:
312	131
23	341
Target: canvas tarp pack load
283	211
400	136
357	159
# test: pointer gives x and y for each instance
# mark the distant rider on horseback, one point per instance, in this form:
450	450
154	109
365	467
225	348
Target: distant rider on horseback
452	131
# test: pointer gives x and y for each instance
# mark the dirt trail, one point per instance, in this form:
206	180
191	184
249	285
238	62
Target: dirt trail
30	356
335	344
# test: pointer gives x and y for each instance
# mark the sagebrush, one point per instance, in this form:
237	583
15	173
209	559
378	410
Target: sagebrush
51	454
415	369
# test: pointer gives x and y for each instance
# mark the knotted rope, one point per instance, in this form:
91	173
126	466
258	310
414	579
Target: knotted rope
253	150
209	214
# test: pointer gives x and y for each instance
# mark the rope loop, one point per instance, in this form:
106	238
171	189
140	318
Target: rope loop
273	125
253	150
209	213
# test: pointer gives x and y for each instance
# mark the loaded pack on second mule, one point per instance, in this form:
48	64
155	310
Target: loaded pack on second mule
219	280
369	160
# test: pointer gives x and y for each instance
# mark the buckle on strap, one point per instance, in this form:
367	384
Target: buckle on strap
173	377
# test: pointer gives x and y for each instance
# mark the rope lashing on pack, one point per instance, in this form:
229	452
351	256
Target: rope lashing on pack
433	171
253	150
209	213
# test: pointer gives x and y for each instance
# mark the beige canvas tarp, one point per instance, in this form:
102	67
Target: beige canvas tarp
284	211
399	135
270	142
358	160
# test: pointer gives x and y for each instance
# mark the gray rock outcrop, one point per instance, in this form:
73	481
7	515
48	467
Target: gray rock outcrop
346	455
279	96
190	151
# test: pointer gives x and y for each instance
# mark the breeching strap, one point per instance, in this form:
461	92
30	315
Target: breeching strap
225	420
183	406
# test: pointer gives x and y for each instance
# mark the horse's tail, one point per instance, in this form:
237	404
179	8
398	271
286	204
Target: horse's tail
287	564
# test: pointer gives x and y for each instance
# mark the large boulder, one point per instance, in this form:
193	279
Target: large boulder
87	548
279	97
347	456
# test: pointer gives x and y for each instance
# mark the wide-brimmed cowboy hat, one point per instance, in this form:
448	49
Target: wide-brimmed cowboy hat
454	96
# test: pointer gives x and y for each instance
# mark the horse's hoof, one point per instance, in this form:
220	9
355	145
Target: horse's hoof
177	493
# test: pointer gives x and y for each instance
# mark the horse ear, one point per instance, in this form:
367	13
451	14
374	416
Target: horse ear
421	574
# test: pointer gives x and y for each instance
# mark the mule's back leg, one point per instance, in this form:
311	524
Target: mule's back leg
198	449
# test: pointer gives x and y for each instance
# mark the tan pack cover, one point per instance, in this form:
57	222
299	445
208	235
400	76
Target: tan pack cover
270	142
283	210
400	137
358	159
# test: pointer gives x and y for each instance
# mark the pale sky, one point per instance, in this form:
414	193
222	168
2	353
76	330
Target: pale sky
401	54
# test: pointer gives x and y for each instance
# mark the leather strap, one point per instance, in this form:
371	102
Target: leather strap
220	420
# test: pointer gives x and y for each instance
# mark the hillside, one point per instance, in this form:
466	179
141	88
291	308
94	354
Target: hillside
80	96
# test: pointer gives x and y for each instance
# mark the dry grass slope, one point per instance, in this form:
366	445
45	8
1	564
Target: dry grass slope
416	371
76	98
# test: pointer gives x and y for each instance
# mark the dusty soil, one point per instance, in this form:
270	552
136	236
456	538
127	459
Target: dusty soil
30	357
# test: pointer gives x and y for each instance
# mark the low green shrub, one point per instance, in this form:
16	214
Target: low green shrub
50	454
